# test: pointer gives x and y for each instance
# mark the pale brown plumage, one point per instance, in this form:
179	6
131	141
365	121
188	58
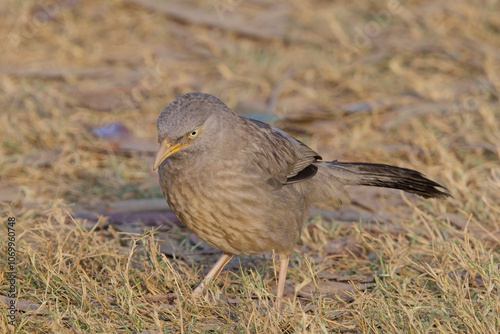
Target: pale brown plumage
245	187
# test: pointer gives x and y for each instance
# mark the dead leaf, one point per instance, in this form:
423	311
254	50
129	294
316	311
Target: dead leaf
343	245
168	298
114	130
461	275
23	305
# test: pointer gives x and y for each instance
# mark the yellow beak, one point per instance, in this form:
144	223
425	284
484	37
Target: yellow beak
165	151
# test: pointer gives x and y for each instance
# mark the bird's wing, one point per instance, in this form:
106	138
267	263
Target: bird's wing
285	158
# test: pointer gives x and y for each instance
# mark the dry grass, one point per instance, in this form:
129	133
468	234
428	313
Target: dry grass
419	89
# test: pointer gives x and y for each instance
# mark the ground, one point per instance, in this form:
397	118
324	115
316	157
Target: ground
409	83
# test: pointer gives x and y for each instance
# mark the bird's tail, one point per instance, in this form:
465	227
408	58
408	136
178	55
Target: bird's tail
380	175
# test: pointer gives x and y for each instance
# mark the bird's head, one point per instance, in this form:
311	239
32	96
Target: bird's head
190	123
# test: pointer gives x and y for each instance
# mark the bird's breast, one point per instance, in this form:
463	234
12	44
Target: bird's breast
228	207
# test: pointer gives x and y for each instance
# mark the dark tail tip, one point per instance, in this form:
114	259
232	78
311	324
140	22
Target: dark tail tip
387	176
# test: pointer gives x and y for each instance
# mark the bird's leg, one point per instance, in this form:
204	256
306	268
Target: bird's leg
283	259
213	273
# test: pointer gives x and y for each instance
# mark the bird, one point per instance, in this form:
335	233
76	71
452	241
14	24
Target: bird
245	187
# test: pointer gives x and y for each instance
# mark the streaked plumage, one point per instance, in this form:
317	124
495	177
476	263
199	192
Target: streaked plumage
245	187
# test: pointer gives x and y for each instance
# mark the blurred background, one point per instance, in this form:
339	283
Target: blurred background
413	83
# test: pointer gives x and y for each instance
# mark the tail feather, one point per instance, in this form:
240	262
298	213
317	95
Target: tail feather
380	175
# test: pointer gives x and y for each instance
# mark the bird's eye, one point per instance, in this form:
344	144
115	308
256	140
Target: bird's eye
194	133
